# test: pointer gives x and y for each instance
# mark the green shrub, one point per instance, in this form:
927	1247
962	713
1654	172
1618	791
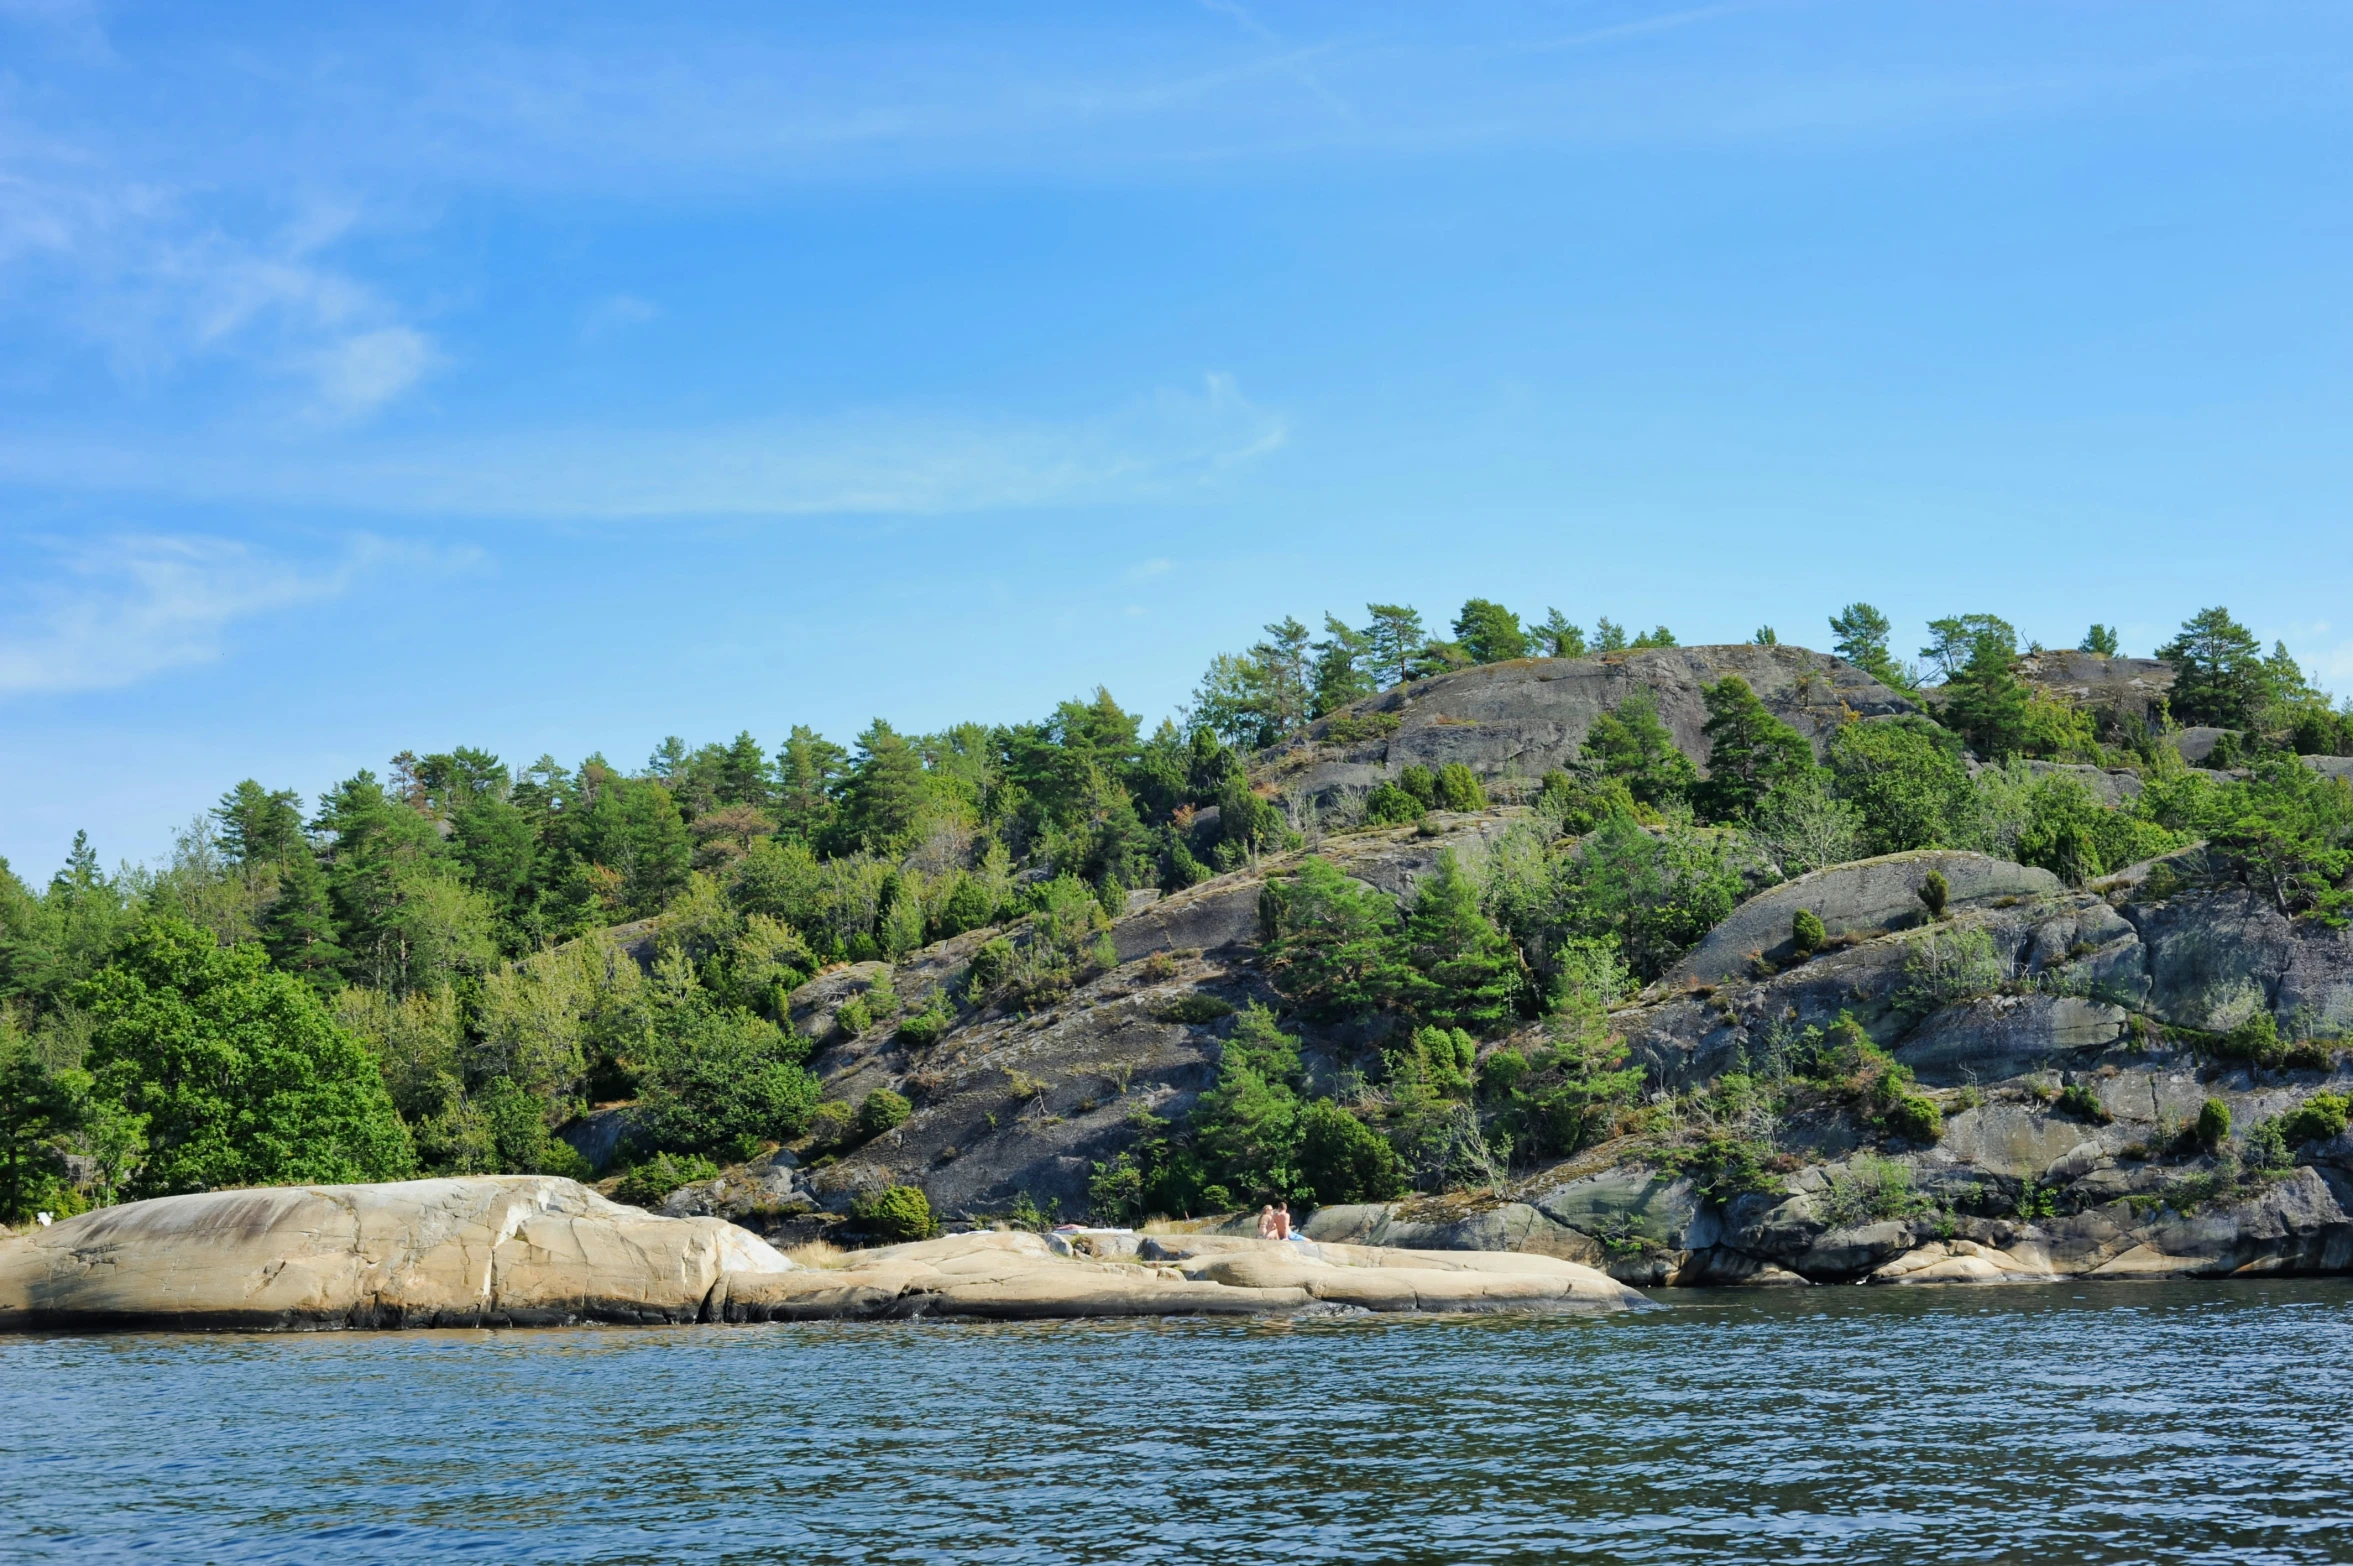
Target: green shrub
1934	891
1458	788
898	1212
2255	1041
987	968
853	1016
1421	783
1724	1167
923	1029
1351	729
2079	1100
720	1076
1806	933
1914	1117
2213	1127
650	1182
883	1110
562	1159
1870	1191
2267	1148
829	1124
1194	1008
2317	1119
1389	805
1342	1160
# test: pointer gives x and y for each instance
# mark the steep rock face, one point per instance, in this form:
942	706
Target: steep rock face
1511	722
1868	897
1012	1105
489	1250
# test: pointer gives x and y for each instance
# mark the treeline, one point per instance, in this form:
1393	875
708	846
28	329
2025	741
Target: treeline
434	969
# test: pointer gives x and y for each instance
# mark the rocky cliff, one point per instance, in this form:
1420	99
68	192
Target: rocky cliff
2023	989
1510	723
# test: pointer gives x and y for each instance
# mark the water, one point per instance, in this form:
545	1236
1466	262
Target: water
2204	1422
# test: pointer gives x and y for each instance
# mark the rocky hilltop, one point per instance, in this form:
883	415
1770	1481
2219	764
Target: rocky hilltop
1512	722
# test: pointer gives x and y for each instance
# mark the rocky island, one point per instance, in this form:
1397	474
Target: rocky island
1528	980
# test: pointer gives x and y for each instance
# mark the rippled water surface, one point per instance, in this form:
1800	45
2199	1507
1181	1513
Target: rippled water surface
2117	1422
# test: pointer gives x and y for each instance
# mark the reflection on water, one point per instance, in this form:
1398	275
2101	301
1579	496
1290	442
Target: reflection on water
2080	1423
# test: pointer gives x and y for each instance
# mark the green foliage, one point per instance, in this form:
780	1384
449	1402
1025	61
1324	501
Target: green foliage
2078	1100
1389	805
1458	788
40	1110
895	1213
2267	1150
1568	1092
1341	1159
1651	896
1914	1118
1870	1190
1557	638
1906	779
1724	1168
1750	753
881	1111
1195	1008
1343	668
1935	891
2318	1119
2218	674
1945	966
1806	933
2255	1040
1630	744
1985	701
2069	832
1860	635
1456	969
718	1077
2213	1127
1489	633
2292	829
2101	639
240	1072
923	1028
650	1183
1956	639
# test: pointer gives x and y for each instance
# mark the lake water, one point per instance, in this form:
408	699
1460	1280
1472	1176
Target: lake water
2206	1422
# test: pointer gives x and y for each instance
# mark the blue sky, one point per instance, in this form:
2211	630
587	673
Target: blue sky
384	377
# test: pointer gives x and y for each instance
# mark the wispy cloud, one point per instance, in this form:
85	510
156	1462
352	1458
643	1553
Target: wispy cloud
116	611
896	461
617	312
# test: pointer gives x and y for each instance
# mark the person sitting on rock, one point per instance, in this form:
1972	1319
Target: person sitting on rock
1266	1223
1282	1220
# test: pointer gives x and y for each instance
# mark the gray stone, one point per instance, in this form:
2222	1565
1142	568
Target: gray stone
2002	1036
1626	1203
1869	897
2214	957
1842	1255
1511	722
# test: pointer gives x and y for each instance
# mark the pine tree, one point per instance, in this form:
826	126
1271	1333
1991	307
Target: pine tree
1750	752
1393	638
2099	639
1489	633
1862	633
743	772
259	827
1986	703
2217	671
809	770
1630	743
1342	668
299	930
1462	971
1557	638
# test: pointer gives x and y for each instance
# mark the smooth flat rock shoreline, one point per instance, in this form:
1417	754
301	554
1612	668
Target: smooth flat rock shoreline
527	1250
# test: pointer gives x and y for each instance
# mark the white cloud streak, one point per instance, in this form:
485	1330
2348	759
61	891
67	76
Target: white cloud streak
891	462
129	607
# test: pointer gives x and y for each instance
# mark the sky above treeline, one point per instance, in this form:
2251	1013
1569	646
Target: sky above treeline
555	380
